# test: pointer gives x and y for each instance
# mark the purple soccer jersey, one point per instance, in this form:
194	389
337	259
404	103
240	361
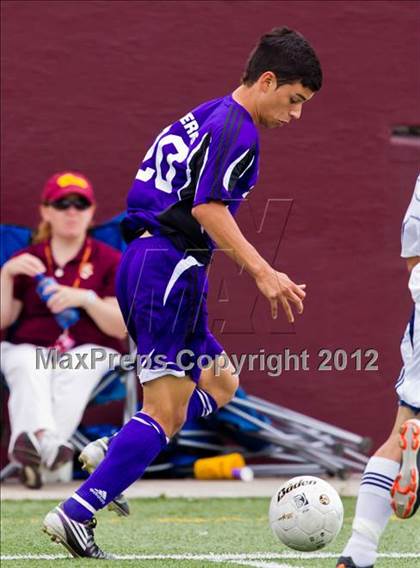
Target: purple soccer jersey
210	154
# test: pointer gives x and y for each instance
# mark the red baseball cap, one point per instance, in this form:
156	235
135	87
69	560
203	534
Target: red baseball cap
65	183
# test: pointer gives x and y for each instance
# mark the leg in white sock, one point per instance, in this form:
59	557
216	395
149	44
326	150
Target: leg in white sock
373	508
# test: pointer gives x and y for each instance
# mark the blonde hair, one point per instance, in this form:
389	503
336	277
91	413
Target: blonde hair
42	233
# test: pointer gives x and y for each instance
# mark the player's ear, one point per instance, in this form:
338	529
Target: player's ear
267	81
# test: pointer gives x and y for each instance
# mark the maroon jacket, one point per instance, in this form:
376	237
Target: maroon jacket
37	325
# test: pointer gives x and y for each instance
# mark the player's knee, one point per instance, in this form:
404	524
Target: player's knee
225	390
231	387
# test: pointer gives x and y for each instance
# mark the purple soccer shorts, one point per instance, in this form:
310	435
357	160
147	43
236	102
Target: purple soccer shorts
162	293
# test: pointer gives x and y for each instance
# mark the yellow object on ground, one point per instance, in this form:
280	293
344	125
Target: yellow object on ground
218	467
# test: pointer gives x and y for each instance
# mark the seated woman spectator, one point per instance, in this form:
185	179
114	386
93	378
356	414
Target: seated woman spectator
47	404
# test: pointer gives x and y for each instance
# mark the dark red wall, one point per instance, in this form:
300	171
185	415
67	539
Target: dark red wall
87	85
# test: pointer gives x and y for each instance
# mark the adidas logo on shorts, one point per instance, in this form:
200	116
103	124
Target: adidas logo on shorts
100	494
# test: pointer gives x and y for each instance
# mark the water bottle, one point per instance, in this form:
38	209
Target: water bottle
67	317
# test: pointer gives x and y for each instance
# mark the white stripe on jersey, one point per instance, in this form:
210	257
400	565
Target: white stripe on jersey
228	173
190	157
206	155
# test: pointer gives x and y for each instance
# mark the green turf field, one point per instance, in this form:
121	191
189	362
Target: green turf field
234	531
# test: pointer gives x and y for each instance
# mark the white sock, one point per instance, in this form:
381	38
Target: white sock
373	510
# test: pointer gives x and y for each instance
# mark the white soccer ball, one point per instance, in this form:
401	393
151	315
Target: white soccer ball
306	513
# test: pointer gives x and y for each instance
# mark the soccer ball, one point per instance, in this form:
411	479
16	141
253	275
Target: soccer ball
306	513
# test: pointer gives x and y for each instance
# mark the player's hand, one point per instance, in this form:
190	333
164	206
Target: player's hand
64	297
278	288
24	263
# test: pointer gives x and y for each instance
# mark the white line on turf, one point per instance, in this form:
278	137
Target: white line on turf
262	564
213	557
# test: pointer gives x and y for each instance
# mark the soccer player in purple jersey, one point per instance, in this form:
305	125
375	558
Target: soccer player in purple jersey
180	207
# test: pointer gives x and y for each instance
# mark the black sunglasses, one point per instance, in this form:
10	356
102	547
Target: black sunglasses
78	203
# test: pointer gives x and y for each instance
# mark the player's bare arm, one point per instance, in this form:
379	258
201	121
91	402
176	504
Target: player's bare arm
277	287
412	262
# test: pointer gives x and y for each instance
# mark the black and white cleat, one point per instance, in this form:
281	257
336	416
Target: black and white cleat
78	538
